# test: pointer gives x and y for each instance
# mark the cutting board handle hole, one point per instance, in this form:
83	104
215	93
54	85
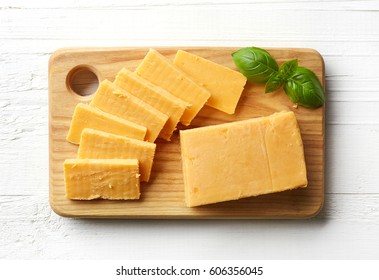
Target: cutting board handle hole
82	81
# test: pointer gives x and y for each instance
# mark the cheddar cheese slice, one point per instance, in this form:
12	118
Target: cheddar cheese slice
88	179
98	144
160	71
224	84
114	100
89	117
155	96
242	159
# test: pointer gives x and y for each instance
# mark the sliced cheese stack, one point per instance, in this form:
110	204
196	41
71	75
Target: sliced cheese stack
112	99
155	96
137	106
102	178
160	71
102	145
224	84
242	159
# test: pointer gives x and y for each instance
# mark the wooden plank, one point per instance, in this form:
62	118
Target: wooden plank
16	28
347	227
163	196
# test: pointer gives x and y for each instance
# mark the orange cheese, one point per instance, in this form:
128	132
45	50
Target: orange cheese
155	96
160	71
89	117
114	100
98	144
88	179
242	159
224	84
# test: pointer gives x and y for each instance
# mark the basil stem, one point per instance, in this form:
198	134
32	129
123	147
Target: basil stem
277	79
274	83
256	64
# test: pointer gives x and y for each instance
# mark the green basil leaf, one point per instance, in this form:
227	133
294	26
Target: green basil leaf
304	88
255	64
288	68
274	83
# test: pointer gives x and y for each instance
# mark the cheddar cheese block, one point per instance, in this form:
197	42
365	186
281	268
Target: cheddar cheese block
224	84
160	71
88	179
242	159
98	144
155	96
89	117
114	100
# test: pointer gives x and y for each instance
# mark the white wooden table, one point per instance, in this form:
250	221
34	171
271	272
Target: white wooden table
346	33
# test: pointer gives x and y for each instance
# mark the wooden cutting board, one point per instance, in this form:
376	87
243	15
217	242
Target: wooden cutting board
163	196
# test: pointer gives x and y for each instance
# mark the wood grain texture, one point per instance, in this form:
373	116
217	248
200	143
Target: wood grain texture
163	196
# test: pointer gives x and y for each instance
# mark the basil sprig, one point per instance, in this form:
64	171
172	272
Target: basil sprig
300	84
